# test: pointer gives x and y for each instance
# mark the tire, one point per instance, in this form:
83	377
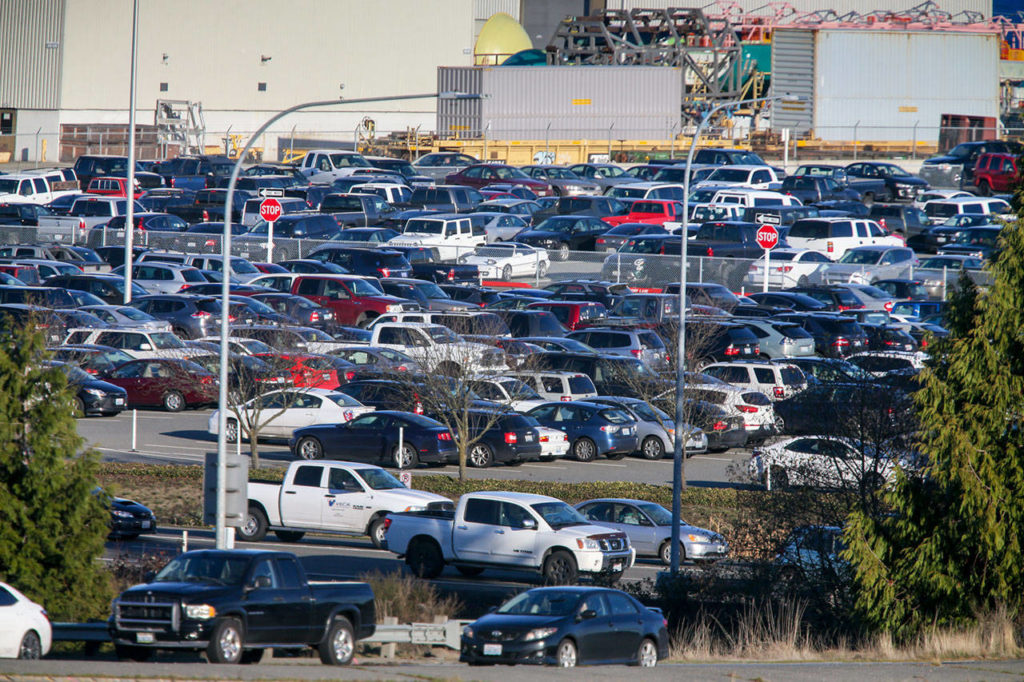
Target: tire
506	273
376	532
309	448
252	656
424	558
77	408
227	642
584	450
652	448
560	569
665	552
647	653
566	656
469	571
365	321
780	479
803	281
562	252
255	527
984	189
406	458
30	649
868	198
480	456
339	646
126	652
231	431
173	401
289	535
542	269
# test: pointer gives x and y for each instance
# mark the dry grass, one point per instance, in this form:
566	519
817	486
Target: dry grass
778	632
408	599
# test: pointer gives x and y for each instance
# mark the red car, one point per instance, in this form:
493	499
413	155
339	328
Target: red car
480	175
573	314
170	383
649	212
312	371
996	173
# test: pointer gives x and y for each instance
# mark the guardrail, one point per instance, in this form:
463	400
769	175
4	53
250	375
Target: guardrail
445	633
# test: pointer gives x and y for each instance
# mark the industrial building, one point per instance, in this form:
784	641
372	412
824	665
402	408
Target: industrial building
210	73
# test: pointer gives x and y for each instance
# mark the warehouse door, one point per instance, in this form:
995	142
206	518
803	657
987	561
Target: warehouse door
7	120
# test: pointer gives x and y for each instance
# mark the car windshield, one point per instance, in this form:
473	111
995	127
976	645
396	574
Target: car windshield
616	416
649	413
243	267
978	238
543	602
361	287
134	314
204	568
643	246
891	170
349	160
711	213
443	335
518	390
557	225
561	174
559	514
343	400
607	171
378	479
165	340
421	226
658	514
627	192
508	172
729	175
859	257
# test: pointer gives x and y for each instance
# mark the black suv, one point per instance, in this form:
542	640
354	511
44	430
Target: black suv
110	288
367	262
835	336
508	438
710	341
909	221
836	298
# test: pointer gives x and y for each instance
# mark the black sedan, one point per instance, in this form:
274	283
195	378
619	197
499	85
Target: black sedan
92	396
567	626
565	233
128	519
373	438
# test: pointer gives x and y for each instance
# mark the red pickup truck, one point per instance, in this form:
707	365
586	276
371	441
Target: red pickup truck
654	212
354	300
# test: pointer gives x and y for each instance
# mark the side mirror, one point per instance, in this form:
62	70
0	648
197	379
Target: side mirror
528	524
145	346
148	576
588	614
260	582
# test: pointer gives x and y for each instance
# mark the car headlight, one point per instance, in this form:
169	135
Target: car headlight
539	633
394	308
121	514
467	632
414	508
200	611
695	537
588	543
96	392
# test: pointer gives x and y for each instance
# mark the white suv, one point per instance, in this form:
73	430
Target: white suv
564	386
777	380
832	237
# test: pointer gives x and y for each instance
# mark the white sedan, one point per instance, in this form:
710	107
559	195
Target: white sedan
826	462
506	260
789	268
553	443
279	413
25	630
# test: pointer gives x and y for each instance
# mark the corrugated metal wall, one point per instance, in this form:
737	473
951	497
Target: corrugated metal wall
840	6
31	45
565	102
889	81
459	118
793	74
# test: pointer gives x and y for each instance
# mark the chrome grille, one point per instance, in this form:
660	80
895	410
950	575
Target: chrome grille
147	616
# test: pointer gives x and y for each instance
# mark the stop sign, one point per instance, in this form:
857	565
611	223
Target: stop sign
767	237
270	210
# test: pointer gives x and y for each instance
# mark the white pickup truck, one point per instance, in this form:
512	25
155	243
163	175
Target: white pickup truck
437	348
516	531
331	497
88	211
451	235
324	166
32	188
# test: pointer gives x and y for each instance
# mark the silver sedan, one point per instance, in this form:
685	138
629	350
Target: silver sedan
649	527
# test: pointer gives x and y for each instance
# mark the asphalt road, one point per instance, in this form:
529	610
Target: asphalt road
166	438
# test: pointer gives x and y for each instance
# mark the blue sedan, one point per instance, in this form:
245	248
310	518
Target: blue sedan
373	437
592	429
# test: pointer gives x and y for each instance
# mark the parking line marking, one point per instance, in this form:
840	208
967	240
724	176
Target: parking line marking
179	447
607	464
543	466
718	459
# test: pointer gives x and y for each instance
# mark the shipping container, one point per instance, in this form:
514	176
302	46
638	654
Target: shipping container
840	7
561	102
881	85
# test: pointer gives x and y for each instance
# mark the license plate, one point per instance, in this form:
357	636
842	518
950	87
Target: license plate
940	239
492	650
119	401
628	432
528	437
145	524
144	637
617	566
747	351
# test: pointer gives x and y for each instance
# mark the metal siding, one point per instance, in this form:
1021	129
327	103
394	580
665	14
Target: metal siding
570	102
460	118
29	71
889	81
485	9
793	74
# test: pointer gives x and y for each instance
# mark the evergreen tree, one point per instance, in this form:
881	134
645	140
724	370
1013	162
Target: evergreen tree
53	526
952	549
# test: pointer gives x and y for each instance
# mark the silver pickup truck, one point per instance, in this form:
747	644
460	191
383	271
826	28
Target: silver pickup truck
87	212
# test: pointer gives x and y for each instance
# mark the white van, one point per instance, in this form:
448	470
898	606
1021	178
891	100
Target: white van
754	197
832	237
938	211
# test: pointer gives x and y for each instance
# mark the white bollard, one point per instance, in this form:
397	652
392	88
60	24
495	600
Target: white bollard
135	423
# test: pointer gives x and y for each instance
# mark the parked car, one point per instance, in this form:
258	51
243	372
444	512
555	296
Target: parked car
866	264
564	181
593	429
649	527
373	438
788	268
128	518
899	184
826	462
93	396
777	380
565	233
507	260
27	633
655	428
996	173
279	413
170	383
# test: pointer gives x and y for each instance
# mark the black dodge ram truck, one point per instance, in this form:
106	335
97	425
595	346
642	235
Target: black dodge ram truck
235	603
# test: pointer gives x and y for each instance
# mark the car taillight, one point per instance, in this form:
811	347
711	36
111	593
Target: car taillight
720	426
81	224
610	429
350	375
786	268
198	313
749	409
881	221
206	216
757	349
511	438
600	240
893	343
840	343
444	436
829	247
451	275
387	523
731	350
888	306
231	318
211	242
402	368
779	392
384	272
314	317
418	408
171	183
206	380
924	343
566	398
636	352
91	371
711	252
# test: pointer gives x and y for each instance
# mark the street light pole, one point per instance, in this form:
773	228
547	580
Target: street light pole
221	530
129	216
678	473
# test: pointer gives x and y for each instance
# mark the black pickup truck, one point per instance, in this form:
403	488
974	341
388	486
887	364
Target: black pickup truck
235	603
356	210
427	264
724	241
